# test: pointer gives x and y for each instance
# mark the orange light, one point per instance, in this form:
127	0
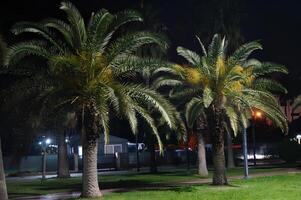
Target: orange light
258	114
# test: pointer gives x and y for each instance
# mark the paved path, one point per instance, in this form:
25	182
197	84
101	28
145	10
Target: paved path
62	196
73	175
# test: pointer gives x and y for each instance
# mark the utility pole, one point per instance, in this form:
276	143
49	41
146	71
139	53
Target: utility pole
187	152
44	164
245	154
137	154
254	142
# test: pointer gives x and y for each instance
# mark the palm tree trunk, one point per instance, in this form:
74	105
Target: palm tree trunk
230	155
3	190
90	135
90	177
63	163
216	125
202	165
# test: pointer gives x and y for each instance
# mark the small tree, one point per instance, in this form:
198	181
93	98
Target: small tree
3	189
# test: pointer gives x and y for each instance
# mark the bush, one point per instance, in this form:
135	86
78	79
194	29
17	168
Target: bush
290	151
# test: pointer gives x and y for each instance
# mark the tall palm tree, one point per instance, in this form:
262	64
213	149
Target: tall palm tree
3	190
89	64
225	89
193	122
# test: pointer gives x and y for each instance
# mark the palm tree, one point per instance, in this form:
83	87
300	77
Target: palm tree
156	79
225	89
89	65
3	190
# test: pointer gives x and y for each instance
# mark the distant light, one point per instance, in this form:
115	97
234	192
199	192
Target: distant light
258	114
80	151
298	138
66	140
40	143
48	141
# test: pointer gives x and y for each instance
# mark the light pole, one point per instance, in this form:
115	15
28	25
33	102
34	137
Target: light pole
137	153
257	115
44	145
245	153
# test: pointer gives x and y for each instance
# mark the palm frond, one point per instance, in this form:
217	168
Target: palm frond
264	84
61	27
77	23
243	52
189	55
30	27
130	43
23	49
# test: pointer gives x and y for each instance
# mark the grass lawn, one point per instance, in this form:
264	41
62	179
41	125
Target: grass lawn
282	187
36	187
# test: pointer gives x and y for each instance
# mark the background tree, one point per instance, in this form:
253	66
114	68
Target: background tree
229	87
88	64
3	189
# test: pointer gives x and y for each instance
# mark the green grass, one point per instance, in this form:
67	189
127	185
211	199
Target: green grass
282	187
36	187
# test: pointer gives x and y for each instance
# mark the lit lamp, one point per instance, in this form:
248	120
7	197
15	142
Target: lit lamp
44	144
256	115
298	138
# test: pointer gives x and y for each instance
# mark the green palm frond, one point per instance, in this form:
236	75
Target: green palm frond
265	68
202	46
34	48
63	28
130	43
76	21
243	52
29	27
269	85
189	55
137	64
194	110
165	81
154	100
216	48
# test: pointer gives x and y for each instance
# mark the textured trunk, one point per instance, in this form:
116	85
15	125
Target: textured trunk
90	177
217	127
153	162
230	155
90	135
3	190
202	165
63	163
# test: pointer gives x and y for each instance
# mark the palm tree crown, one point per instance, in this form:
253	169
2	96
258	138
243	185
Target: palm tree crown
234	84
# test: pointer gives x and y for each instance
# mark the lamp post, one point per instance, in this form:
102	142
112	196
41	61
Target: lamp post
245	153
44	144
257	115
137	154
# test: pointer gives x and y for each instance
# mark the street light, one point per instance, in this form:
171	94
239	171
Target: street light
245	153
44	143
257	115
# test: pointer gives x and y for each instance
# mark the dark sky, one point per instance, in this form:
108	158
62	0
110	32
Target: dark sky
276	23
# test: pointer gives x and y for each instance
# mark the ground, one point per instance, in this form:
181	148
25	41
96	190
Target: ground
281	187
172	184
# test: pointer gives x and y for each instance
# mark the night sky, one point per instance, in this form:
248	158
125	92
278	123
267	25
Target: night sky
275	23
